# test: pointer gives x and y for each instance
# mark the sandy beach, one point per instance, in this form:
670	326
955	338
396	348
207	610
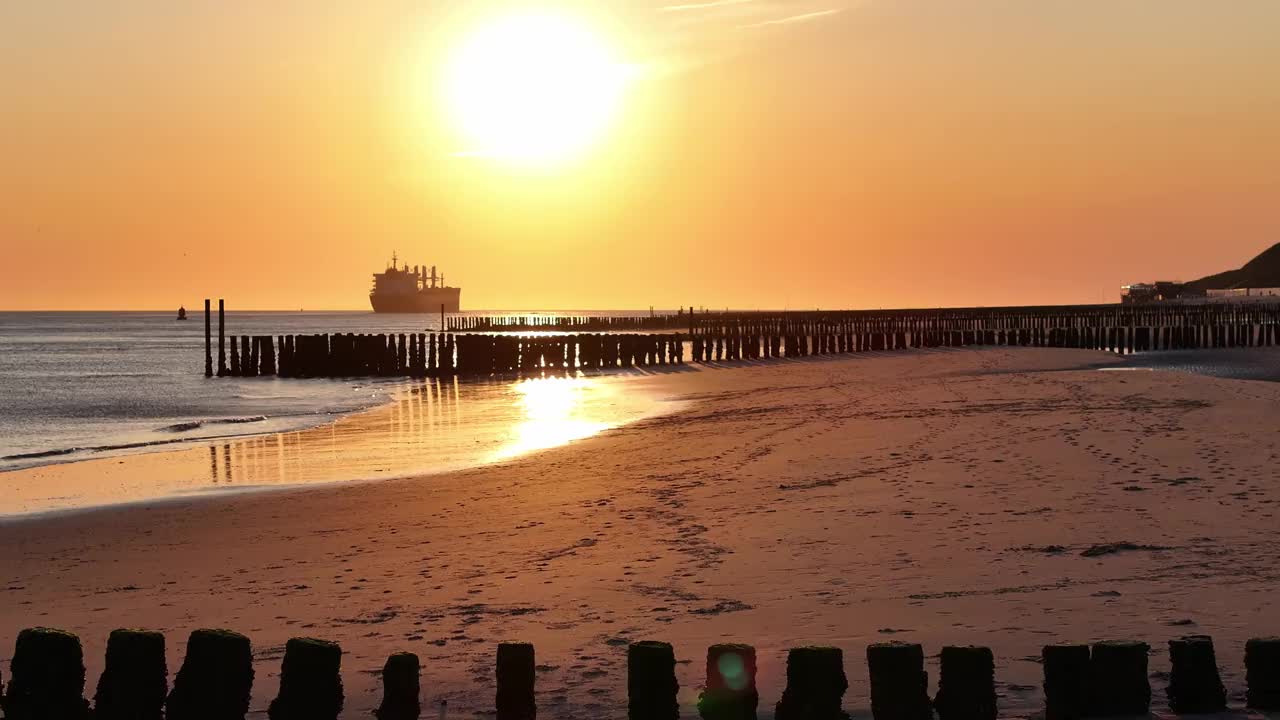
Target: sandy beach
1004	497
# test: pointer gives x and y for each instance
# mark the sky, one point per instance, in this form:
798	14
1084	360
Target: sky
766	154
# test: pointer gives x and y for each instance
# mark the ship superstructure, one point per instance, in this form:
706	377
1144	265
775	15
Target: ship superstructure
412	290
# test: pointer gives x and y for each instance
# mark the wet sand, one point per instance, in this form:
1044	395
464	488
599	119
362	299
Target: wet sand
942	497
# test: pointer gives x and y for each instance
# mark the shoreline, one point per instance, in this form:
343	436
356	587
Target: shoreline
1230	364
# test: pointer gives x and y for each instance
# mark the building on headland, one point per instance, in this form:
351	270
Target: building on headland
1260	294
1256	281
1158	291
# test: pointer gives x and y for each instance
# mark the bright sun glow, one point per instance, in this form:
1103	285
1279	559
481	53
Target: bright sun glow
556	411
533	89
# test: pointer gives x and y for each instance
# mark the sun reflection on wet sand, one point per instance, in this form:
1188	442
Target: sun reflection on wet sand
556	411
431	426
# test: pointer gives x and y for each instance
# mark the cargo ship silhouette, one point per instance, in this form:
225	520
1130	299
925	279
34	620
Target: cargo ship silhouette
406	290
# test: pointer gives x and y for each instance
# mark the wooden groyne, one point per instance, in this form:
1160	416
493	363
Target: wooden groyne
1113	328
565	323
215	680
1033	319
900	320
445	354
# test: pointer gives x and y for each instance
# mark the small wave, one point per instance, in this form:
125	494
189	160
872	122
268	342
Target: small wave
238	420
41	454
197	424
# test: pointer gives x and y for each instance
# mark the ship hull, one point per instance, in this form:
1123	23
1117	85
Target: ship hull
430	300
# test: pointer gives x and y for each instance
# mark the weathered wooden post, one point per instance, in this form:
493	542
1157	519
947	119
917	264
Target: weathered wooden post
816	684
515	670
208	341
1195	685
1262	673
310	681
966	684
1066	681
268	355
1118	683
222	337
135	680
400	688
651	681
215	680
899	684
248	364
47	677
730	692
235	357
255	344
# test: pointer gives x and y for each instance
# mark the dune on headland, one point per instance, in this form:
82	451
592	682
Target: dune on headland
1007	497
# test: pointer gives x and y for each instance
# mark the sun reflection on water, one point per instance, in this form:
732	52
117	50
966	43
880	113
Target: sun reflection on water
553	411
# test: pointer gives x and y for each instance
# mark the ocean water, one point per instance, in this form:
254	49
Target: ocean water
1231	363
81	385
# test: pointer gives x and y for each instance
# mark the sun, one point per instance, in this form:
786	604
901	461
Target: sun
532	89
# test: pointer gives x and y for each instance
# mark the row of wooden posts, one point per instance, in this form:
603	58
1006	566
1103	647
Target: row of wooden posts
443	354
435	354
565	323
483	354
215	681
917	320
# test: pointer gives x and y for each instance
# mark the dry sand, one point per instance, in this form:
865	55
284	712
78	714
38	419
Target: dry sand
941	497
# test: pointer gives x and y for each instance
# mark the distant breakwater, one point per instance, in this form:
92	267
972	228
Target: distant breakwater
215	680
737	336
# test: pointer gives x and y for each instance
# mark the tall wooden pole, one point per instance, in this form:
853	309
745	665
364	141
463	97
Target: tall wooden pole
222	338
208	341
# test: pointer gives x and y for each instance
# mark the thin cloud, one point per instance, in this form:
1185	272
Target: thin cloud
803	17
711	5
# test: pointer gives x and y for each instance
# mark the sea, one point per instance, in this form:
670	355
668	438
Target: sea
79	387
75	385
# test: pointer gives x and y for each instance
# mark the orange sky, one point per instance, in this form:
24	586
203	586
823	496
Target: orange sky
819	153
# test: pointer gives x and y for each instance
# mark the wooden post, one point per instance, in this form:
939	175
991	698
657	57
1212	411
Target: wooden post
47	678
1262	673
1118	683
134	682
247	367
966	686
515	670
1195	685
216	677
208	341
651	681
310	681
222	337
400	688
899	684
1066	681
815	685
730	691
